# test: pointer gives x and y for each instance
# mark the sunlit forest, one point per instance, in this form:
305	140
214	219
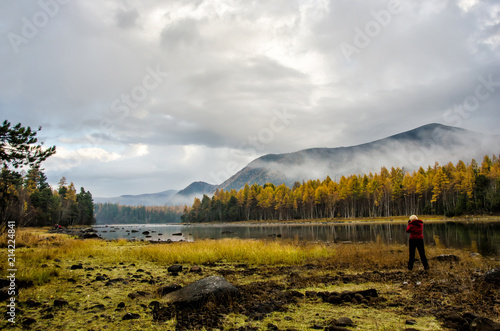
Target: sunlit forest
450	190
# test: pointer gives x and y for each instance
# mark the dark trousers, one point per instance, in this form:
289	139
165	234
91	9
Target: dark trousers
417	244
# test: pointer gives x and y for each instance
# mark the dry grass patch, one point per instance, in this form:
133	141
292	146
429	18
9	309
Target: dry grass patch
231	251
33	237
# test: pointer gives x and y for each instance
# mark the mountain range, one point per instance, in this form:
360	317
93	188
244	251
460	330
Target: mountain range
169	197
420	147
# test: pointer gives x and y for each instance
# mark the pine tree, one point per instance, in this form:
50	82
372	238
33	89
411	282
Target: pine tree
19	150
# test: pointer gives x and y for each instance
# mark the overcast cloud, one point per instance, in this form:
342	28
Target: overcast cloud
144	96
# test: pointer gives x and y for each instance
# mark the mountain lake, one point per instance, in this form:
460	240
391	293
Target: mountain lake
476	237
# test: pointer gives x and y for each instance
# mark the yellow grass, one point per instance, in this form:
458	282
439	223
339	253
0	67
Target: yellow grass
32	237
37	248
231	251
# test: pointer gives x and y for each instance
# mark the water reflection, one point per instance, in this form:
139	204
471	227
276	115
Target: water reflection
482	238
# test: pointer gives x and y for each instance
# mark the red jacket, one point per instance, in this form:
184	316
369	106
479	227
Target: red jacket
415	229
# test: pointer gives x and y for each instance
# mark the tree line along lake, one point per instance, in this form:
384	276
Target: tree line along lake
476	237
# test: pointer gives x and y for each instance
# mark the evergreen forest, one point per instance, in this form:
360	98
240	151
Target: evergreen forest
30	201
26	199
113	213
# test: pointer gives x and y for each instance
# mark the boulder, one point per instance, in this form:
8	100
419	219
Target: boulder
175	269
344	321
98	307
139	294
348	296
164	290
89	233
131	316
455	318
195	294
446	258
469	317
32	303
60	303
90	236
484	324
492	276
334	299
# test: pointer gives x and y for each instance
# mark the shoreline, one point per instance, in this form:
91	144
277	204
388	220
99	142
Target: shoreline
329	221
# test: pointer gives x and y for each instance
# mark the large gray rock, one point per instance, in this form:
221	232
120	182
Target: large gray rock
484	324
492	276
164	290
197	293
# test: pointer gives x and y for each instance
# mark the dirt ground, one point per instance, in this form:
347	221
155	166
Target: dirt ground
270	298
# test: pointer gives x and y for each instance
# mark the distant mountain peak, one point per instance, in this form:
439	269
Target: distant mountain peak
410	150
198	187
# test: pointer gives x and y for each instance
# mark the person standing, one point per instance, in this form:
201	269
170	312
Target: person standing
415	229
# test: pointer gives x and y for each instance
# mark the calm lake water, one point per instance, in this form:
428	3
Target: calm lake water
482	238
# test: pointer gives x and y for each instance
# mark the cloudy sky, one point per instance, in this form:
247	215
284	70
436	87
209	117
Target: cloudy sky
144	96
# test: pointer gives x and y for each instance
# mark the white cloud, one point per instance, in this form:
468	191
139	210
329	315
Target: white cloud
466	5
136	150
66	158
89	154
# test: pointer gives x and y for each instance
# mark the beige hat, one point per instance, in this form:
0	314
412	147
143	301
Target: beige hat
413	217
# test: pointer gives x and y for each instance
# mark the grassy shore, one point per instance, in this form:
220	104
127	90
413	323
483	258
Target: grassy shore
78	272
